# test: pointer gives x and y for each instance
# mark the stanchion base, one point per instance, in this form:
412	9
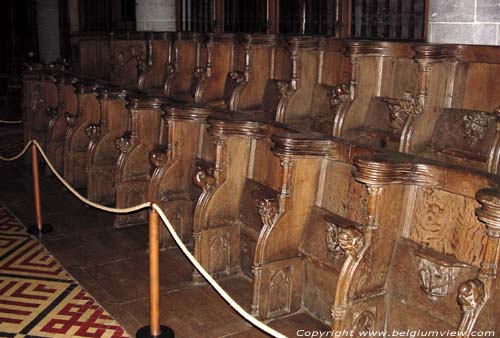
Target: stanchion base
33	230
145	332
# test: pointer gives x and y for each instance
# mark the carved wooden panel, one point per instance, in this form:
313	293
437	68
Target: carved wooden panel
411	284
447	223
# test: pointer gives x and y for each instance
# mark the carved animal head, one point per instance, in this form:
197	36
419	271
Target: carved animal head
351	240
339	94
203	179
470	294
332	243
268	211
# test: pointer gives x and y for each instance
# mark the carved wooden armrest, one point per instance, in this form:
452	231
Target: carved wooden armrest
158	157
93	131
123	144
204	178
53	113
70	119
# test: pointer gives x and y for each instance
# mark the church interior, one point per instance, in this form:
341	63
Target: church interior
249	168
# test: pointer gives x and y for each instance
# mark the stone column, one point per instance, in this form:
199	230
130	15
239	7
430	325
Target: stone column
155	15
47	15
464	21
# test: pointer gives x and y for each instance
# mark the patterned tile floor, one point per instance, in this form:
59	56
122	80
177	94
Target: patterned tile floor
37	297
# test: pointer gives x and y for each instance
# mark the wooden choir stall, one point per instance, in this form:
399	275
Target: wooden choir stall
355	181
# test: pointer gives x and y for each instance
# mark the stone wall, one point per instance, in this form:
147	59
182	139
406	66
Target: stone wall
47	16
155	15
464	21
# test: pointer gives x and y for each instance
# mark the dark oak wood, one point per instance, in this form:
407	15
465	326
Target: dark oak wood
133	171
76	140
67	103
102	153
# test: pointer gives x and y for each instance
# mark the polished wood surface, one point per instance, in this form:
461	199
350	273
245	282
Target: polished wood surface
353	181
102	153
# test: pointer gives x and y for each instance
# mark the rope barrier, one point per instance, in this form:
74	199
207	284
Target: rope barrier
11	122
227	298
18	156
212	281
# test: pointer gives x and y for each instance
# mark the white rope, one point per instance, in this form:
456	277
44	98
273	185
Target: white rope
11	122
70	188
16	157
212	281
248	317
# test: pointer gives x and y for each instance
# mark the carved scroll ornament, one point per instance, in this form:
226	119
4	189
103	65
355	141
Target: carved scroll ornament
401	110
93	131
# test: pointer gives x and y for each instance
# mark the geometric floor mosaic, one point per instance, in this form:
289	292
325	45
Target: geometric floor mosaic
38	298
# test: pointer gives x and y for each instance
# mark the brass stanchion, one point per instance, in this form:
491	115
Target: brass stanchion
39	228
154	330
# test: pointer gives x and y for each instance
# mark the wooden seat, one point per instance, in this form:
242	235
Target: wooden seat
425	253
185	145
250	216
215	86
186	71
102	153
76	140
133	170
67	103
382	74
39	94
464	131
263	58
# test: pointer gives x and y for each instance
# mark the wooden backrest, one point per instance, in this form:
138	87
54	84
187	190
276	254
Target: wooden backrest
379	70
189	54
